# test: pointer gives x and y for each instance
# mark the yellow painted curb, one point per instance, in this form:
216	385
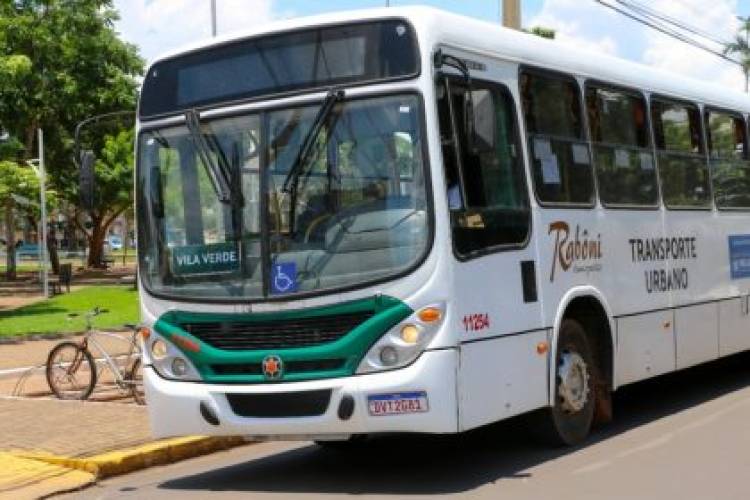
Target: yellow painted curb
132	459
22	478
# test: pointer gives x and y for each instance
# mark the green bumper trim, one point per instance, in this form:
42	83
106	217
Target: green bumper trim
351	347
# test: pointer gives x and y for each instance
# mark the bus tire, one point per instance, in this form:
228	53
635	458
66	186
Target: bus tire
568	421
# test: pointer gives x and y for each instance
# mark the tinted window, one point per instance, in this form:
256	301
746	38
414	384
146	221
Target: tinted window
727	149
280	63
559	154
486	181
682	163
623	158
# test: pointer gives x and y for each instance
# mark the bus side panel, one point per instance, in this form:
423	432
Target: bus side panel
696	276
697	334
645	346
734	326
734	318
502	377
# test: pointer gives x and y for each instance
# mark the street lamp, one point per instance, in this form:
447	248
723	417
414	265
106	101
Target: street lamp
37	164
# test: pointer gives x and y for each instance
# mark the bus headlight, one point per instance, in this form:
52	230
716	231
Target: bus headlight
159	349
403	343
168	360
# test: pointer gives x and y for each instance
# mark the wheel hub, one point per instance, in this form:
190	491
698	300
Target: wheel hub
573	382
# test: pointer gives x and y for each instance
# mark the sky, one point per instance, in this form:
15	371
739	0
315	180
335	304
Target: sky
157	26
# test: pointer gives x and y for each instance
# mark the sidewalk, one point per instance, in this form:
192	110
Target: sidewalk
49	446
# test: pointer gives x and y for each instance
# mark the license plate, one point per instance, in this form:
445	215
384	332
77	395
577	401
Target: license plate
397	403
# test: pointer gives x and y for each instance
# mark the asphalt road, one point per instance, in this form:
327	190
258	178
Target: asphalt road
684	436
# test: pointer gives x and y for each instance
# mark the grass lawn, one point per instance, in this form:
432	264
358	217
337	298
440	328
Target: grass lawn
22	268
50	316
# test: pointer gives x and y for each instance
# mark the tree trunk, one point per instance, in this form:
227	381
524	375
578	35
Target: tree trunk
10	242
28	227
71	232
96	242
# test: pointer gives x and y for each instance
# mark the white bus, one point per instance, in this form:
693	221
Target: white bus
404	220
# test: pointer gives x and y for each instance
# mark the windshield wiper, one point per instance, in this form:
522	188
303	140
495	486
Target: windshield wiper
217	168
291	182
334	96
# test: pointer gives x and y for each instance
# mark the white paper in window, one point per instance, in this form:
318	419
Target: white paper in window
550	170
622	158
581	154
542	149
647	161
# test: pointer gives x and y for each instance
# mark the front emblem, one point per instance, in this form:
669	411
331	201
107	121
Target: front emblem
272	367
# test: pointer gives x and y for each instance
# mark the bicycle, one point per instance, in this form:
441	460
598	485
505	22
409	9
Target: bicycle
71	369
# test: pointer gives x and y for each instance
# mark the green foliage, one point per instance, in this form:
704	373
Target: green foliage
543	32
50	316
61	62
17	180
741	48
114	172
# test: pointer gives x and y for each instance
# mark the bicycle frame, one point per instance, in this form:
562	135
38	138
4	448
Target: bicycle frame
134	349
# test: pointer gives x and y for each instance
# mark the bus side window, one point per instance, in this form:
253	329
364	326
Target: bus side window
557	147
682	163
623	158
496	210
727	151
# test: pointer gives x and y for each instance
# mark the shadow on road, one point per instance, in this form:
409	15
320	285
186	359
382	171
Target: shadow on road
419	465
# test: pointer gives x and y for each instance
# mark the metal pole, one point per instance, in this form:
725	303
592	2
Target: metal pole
43	199
213	18
512	14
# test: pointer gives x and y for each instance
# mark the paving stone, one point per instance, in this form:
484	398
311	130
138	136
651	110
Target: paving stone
71	428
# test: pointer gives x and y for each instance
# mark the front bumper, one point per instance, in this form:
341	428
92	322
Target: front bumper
174	406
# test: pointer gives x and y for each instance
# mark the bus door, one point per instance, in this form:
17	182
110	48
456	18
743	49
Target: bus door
691	232
496	303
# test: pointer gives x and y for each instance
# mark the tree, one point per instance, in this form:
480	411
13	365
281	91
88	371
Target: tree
543	32
114	186
741	47
61	62
15	182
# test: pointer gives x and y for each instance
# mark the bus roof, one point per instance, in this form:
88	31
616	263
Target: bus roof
436	26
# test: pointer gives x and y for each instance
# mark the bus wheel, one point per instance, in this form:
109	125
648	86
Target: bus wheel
569	420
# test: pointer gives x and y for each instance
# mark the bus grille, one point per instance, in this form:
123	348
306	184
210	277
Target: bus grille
303	366
286	334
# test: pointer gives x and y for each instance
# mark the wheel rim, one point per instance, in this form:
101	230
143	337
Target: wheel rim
573	382
68	374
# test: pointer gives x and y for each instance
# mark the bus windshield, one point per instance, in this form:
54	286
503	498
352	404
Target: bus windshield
356	211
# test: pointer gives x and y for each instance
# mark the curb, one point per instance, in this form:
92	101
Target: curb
140	457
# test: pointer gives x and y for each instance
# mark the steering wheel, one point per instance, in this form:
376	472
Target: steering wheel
314	225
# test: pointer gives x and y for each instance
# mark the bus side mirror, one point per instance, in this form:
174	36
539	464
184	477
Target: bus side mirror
155	192
482	126
87	180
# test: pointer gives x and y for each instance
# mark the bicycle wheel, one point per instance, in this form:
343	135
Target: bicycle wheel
71	371
135	379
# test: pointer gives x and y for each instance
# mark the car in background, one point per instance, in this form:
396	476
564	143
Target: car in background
27	251
115	242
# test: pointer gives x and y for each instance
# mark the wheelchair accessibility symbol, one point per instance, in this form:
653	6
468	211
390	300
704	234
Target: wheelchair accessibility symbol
284	277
